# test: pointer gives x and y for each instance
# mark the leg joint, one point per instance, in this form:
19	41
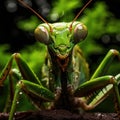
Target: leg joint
113	80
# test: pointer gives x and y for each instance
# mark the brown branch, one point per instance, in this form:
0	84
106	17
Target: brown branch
60	115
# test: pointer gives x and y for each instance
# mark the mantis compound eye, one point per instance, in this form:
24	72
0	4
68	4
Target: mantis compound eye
80	33
42	35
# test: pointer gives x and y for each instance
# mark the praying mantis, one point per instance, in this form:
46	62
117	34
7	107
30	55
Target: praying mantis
64	83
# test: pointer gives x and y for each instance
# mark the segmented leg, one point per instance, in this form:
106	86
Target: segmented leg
103	67
38	94
14	77
32	88
98	88
25	71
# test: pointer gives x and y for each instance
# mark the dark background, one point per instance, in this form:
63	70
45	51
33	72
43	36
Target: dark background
9	33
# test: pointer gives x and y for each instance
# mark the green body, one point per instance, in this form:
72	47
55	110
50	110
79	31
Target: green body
61	58
65	68
65	83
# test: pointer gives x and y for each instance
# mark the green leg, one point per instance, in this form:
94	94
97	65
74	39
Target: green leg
105	63
35	92
32	88
97	90
25	71
14	77
93	88
6	71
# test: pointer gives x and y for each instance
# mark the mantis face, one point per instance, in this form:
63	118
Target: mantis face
61	39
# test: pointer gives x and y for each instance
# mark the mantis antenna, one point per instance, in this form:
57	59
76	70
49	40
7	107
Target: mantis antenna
79	13
27	6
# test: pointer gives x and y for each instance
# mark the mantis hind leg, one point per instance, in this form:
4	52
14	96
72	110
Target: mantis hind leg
14	77
94	91
30	84
24	71
38	94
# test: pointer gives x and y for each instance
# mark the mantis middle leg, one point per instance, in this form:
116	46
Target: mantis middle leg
30	84
98	88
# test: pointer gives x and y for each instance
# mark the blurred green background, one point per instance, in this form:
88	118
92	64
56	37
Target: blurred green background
17	26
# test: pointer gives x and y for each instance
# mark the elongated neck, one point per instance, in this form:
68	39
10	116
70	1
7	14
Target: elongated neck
60	69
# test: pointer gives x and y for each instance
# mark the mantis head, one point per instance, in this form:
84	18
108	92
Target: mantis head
62	39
